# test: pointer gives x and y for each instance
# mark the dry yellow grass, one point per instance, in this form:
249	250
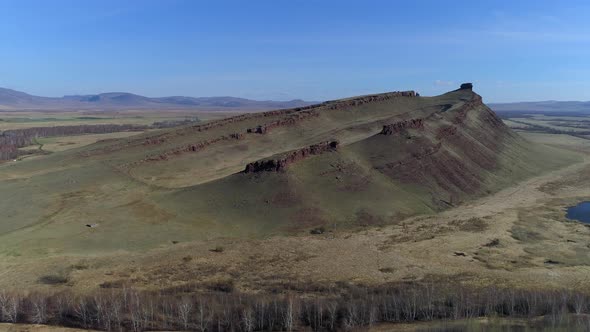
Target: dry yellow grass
55	144
505	238
6	327
28	119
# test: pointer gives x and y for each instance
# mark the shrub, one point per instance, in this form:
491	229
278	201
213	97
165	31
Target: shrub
217	249
53	279
318	230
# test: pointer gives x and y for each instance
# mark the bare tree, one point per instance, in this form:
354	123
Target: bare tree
115	310
39	307
288	316
580	303
205	315
147	312
248	320
101	312
184	308
350	318
332	314
82	313
10	307
134	305
3	304
167	312
261	312
63	304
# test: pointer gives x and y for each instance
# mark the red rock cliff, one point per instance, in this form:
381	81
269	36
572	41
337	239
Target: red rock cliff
279	164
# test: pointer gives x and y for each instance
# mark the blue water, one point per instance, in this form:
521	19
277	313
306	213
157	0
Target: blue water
580	212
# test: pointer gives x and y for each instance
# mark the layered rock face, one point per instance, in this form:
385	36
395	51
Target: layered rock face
290	120
280	163
194	147
454	157
368	99
286	117
273	119
395	128
303	113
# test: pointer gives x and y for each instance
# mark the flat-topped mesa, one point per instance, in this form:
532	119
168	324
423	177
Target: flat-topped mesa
466	86
397	127
280	163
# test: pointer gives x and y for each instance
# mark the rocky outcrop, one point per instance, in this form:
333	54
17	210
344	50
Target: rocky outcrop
465	149
193	147
446	132
303	113
280	163
397	127
346	103
290	120
461	112
466	86
175	152
420	153
291	116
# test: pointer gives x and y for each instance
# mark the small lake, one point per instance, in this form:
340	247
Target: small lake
580	212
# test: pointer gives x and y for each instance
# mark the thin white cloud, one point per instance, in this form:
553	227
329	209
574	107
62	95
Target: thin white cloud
442	83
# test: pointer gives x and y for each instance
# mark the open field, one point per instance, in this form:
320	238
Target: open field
26	119
55	144
572	323
28	134
531	121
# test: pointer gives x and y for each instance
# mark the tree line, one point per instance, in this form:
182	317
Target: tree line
127	309
12	140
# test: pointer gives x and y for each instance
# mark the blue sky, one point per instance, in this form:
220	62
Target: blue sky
314	50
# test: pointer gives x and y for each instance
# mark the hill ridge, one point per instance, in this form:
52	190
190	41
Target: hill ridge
366	160
14	100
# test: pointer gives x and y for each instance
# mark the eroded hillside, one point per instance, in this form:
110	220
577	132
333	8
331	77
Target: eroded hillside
369	160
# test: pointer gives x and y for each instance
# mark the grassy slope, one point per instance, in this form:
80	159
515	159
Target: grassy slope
45	203
354	186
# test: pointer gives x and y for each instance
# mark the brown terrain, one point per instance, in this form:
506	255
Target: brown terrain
361	193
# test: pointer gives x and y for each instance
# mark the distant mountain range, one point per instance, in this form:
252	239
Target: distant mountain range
549	106
16	100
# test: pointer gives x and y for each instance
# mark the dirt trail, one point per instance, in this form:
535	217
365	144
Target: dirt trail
523	194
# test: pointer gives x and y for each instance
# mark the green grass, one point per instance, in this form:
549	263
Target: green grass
46	202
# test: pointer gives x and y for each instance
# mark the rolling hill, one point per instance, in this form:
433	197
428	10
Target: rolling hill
16	100
369	160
